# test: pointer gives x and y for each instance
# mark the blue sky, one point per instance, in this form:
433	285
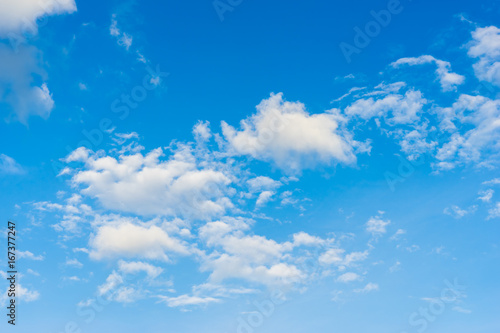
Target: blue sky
252	166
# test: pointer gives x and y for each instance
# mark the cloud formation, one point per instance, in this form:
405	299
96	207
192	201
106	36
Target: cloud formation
485	47
448	80
286	134
21	16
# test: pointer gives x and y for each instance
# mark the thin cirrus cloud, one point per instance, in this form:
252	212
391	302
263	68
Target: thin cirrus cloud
9	166
394	108
448	79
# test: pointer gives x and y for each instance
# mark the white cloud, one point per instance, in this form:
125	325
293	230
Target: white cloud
73	213
286	134
376	226
335	256
126	295
369	287
486	195
494	181
485	46
448	80
264	197
126	239
201	131
29	255
8	166
23	96
261	183
21	16
112	282
23	294
185	300
74	263
458	212
395	108
395	267
474	124
247	257
137	266
398	233
332	256
461	310
123	39
255	249
22	80
27	295
412	248
73	278
145	185
348	277
354	257
494	212
303	238
216	290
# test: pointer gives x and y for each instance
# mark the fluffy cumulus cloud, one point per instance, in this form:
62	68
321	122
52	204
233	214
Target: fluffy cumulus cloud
125	239
485	47
185	300
29	255
286	134
135	267
22	15
457	212
448	80
388	104
261	183
377	226
146	185
199	200
249	257
494	212
22	95
23	88
264	197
